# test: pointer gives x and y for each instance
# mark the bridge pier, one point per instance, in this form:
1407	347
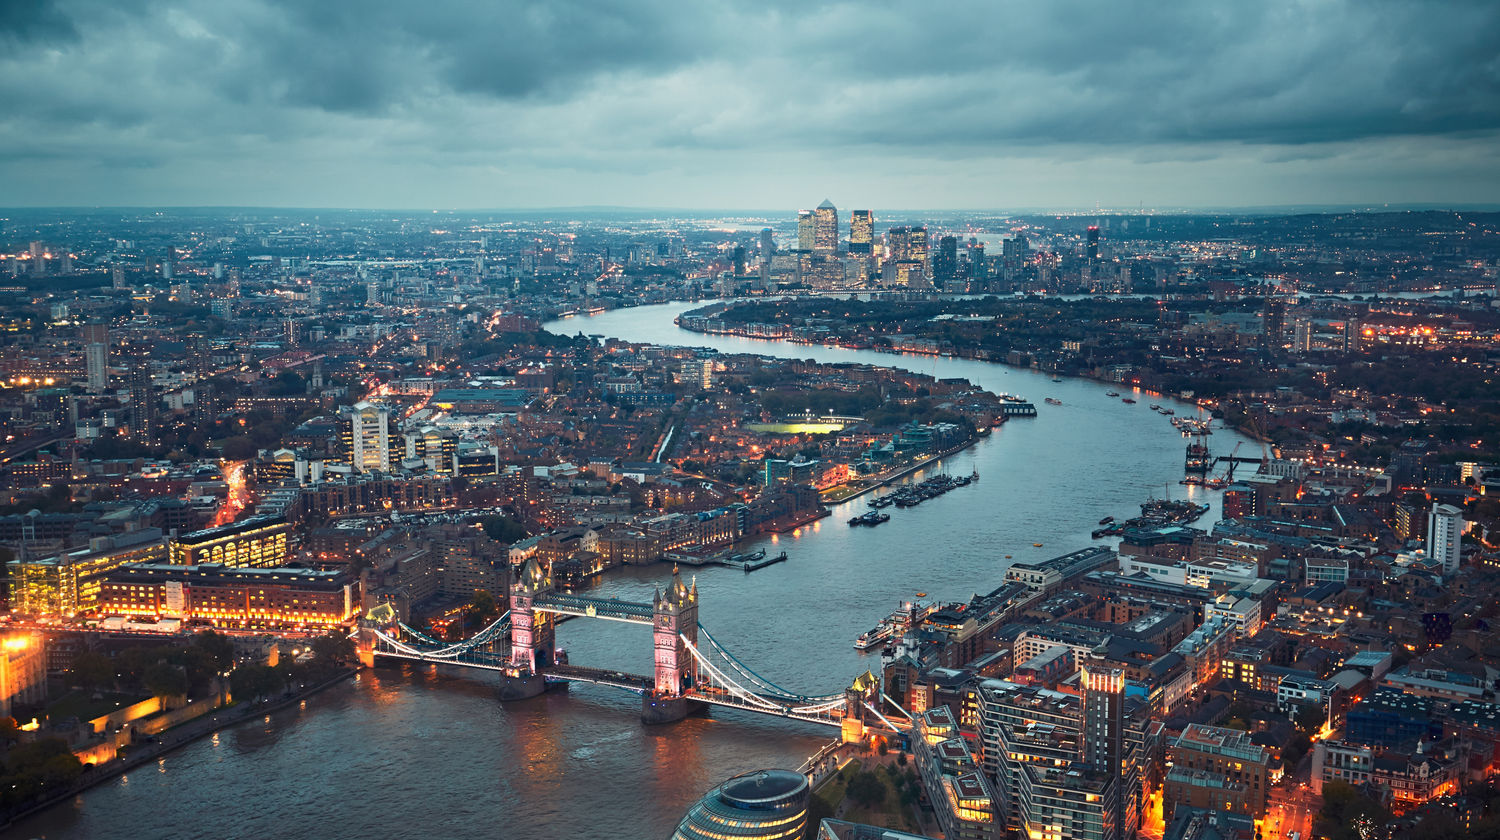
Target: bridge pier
521	686
656	710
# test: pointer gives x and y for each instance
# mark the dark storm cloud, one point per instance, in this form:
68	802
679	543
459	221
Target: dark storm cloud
582	87
33	21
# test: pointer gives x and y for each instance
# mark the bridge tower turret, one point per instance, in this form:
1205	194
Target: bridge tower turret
857	699
532	635
675	617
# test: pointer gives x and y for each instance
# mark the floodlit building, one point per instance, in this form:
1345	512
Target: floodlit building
826	229
258	541
23	670
761	805
369	437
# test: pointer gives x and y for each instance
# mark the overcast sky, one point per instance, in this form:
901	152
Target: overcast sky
766	104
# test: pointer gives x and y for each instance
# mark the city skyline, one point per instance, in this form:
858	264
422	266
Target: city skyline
725	106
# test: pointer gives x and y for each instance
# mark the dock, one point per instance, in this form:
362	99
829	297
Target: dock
749	561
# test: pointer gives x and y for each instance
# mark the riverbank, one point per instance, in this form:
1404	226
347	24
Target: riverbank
838	499
169	740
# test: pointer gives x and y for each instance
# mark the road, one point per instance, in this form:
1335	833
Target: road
1290	808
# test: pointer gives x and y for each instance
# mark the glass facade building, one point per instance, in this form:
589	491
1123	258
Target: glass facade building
765	805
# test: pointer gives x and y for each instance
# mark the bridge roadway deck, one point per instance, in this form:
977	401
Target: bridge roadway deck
608	608
600	676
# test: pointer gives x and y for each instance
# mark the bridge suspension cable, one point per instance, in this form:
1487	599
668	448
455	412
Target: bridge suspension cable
723	681
495	628
761	682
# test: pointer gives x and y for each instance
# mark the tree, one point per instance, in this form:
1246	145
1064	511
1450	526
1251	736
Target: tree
504	529
93	671
1308	717
818	810
866	789
482	609
1345	811
332	650
219	648
165	680
254	681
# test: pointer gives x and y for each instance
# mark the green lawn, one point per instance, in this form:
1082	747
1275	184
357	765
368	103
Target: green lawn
84	706
889	813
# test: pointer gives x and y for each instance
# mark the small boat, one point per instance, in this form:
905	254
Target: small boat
1007	557
1106	520
1111	393
1128	401
1155	407
1167	411
1036	545
1056	378
1050	401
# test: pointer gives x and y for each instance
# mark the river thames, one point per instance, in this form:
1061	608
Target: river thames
417	753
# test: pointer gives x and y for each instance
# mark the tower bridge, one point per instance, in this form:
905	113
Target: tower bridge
691	668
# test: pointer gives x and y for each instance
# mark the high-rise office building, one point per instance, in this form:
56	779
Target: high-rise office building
826	228
898	244
979	270
761	805
861	232
738	260
919	246
166	263
767	245
1273	326
805	236
96	356
945	261
369	437
1093	243
1444	530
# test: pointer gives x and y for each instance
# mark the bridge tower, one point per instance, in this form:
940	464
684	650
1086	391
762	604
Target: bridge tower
864	690
382	616
532	635
675	618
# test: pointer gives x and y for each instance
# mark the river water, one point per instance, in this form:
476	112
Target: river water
419	753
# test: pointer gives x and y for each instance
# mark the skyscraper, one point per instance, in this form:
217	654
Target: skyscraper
369	437
979	270
861	232
945	261
767	245
1444	531
96	355
143	401
826	228
898	244
804	230
1093	246
919	246
1102	742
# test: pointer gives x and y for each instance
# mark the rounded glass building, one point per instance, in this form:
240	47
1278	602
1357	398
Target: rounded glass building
765	804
